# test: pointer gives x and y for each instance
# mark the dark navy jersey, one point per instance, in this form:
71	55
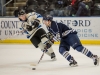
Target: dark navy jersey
60	30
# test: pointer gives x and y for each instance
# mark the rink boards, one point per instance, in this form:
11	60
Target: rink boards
88	29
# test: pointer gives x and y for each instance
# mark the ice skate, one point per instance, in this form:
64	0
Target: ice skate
73	63
53	56
96	60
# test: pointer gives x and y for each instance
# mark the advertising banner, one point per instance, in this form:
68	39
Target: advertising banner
9	27
87	27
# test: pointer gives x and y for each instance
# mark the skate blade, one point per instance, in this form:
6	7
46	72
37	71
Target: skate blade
98	61
74	65
54	59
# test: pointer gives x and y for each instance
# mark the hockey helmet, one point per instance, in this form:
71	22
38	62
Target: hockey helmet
19	11
48	17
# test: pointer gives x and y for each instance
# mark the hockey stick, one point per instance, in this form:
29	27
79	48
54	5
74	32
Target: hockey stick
39	60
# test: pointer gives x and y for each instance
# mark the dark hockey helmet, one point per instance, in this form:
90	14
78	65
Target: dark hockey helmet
16	13
20	11
48	17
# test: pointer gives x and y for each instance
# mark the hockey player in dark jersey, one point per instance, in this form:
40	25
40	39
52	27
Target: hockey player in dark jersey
68	38
32	27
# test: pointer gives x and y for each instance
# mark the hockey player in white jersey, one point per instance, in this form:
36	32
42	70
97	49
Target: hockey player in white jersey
37	35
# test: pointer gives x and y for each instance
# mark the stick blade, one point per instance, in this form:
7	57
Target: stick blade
32	64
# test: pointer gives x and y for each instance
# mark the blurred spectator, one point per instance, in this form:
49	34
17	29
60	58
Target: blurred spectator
31	2
83	9
2	2
96	1
0	8
62	8
92	7
57	13
58	8
90	4
78	8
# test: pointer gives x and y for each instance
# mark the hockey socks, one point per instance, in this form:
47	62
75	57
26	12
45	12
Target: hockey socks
72	63
67	56
84	51
89	54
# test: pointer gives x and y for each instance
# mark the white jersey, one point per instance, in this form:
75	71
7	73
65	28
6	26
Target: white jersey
30	19
42	36
32	16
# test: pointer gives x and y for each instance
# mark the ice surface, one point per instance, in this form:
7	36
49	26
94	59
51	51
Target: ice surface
16	59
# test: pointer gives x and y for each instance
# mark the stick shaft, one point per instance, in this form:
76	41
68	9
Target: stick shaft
41	57
38	61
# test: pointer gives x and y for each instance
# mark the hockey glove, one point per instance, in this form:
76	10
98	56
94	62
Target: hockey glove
36	23
50	37
48	45
29	28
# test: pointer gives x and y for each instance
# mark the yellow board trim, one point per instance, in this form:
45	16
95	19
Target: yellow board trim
94	42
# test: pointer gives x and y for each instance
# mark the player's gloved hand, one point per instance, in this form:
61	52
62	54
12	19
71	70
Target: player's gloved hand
36	23
50	37
48	45
52	41
29	28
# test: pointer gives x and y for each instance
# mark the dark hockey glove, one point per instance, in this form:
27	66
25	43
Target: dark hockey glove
52	41
29	28
36	23
50	37
48	45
